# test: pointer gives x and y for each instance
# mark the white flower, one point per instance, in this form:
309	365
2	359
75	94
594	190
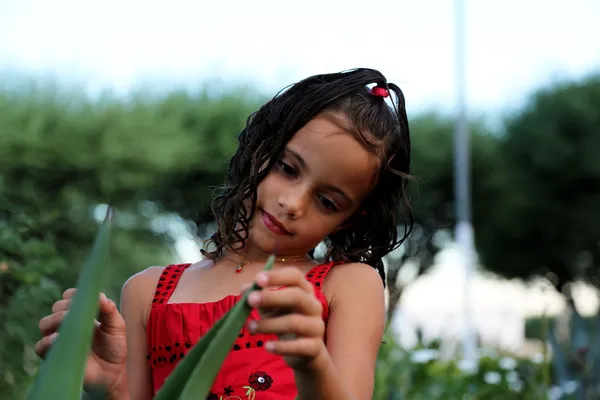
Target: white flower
555	393
512	376
516	386
468	367
537	358
508	363
492	378
570	387
423	356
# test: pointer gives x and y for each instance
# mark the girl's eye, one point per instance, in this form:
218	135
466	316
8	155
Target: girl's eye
330	205
286	169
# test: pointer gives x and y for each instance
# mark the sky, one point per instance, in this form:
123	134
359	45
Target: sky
512	47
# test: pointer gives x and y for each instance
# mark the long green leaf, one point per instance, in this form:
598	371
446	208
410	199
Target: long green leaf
61	375
205	372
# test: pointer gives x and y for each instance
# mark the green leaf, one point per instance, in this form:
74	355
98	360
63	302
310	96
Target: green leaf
208	354
61	375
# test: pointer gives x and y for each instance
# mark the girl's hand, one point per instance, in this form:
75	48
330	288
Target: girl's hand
293	313
106	361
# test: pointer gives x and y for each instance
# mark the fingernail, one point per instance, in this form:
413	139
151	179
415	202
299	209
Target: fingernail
53	337
252	325
254	298
270	346
262	278
245	287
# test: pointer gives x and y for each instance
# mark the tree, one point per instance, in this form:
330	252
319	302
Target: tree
61	157
546	220
432	194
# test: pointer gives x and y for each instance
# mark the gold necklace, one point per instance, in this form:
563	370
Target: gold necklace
240	267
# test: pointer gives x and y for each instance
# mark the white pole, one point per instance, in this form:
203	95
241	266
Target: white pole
464	229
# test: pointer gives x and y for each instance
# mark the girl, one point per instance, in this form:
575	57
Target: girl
326	160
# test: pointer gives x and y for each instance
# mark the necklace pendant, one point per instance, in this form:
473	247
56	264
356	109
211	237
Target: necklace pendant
239	269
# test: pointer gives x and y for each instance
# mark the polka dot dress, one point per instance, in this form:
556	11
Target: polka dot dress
249	371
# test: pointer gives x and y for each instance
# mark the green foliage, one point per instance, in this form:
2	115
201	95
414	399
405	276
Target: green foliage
421	373
62	157
432	192
28	261
534	326
62	373
576	354
546	220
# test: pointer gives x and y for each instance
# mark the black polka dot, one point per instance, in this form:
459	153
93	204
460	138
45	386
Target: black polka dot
236	346
188	345
148	356
248	345
176	344
154	362
259	343
171	282
169	287
159	285
317	284
154	348
241	334
174	276
155	300
168	348
181	355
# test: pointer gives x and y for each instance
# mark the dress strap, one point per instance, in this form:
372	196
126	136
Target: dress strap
318	273
167	283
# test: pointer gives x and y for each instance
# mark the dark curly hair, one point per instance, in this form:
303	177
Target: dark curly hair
373	231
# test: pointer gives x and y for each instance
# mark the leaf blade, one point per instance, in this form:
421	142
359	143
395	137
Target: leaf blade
205	372
61	375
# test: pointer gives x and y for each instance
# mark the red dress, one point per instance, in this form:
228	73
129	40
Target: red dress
249	372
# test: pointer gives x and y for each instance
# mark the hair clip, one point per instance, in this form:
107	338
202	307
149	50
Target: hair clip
379	91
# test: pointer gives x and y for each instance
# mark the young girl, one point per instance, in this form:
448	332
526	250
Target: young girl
326	160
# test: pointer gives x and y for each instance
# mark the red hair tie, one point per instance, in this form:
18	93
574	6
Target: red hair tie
380	92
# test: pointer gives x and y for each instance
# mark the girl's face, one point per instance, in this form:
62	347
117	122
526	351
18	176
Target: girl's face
316	185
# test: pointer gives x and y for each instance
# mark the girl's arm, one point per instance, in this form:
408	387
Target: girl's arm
346	369
136	300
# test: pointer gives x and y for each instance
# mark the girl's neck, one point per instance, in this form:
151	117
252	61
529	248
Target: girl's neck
240	256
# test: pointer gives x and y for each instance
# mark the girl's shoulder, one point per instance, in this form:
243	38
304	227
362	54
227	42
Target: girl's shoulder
138	291
346	280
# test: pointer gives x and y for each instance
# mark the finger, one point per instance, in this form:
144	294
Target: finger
302	347
244	288
69	293
50	323
289	325
61	305
42	346
109	317
292	298
288	276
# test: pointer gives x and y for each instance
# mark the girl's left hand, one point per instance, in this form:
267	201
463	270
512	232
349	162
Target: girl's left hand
292	312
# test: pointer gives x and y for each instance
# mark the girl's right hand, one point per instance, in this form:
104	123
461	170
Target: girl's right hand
106	362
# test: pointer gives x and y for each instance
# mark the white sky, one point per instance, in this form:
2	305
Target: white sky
513	46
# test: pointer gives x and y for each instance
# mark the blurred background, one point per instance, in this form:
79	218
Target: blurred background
138	104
